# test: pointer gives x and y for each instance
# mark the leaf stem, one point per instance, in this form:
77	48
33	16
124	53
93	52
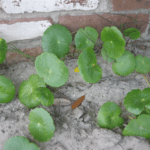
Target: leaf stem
127	42
146	80
20	52
73	32
130	117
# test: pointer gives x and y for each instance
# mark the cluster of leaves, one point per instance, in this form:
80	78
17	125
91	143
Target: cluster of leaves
31	94
34	91
41	128
124	63
136	102
52	71
58	45
56	42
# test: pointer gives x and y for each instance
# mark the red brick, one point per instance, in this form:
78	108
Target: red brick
120	5
26	20
73	23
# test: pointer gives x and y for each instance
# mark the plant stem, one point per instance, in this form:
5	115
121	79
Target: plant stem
146	80
127	42
73	32
75	50
130	117
19	52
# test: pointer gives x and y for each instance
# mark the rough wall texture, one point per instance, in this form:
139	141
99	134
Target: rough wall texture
22	22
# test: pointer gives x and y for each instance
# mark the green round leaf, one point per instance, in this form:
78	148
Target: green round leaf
108	116
56	39
19	143
86	38
27	91
136	99
52	69
142	64
41	125
7	90
106	57
88	69
45	96
115	70
3	50
138	127
114	42
124	65
132	33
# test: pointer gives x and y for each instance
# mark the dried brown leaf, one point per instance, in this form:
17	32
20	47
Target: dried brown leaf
78	102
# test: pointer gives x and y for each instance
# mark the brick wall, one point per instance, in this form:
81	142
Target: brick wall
22	22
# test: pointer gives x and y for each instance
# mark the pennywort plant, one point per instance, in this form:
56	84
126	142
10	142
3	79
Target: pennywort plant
7	90
114	43
86	38
34	91
52	71
136	102
108	116
19	143
56	39
41	125
87	65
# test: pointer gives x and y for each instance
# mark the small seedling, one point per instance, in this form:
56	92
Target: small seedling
132	33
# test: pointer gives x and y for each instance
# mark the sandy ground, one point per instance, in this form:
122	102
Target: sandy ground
75	129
